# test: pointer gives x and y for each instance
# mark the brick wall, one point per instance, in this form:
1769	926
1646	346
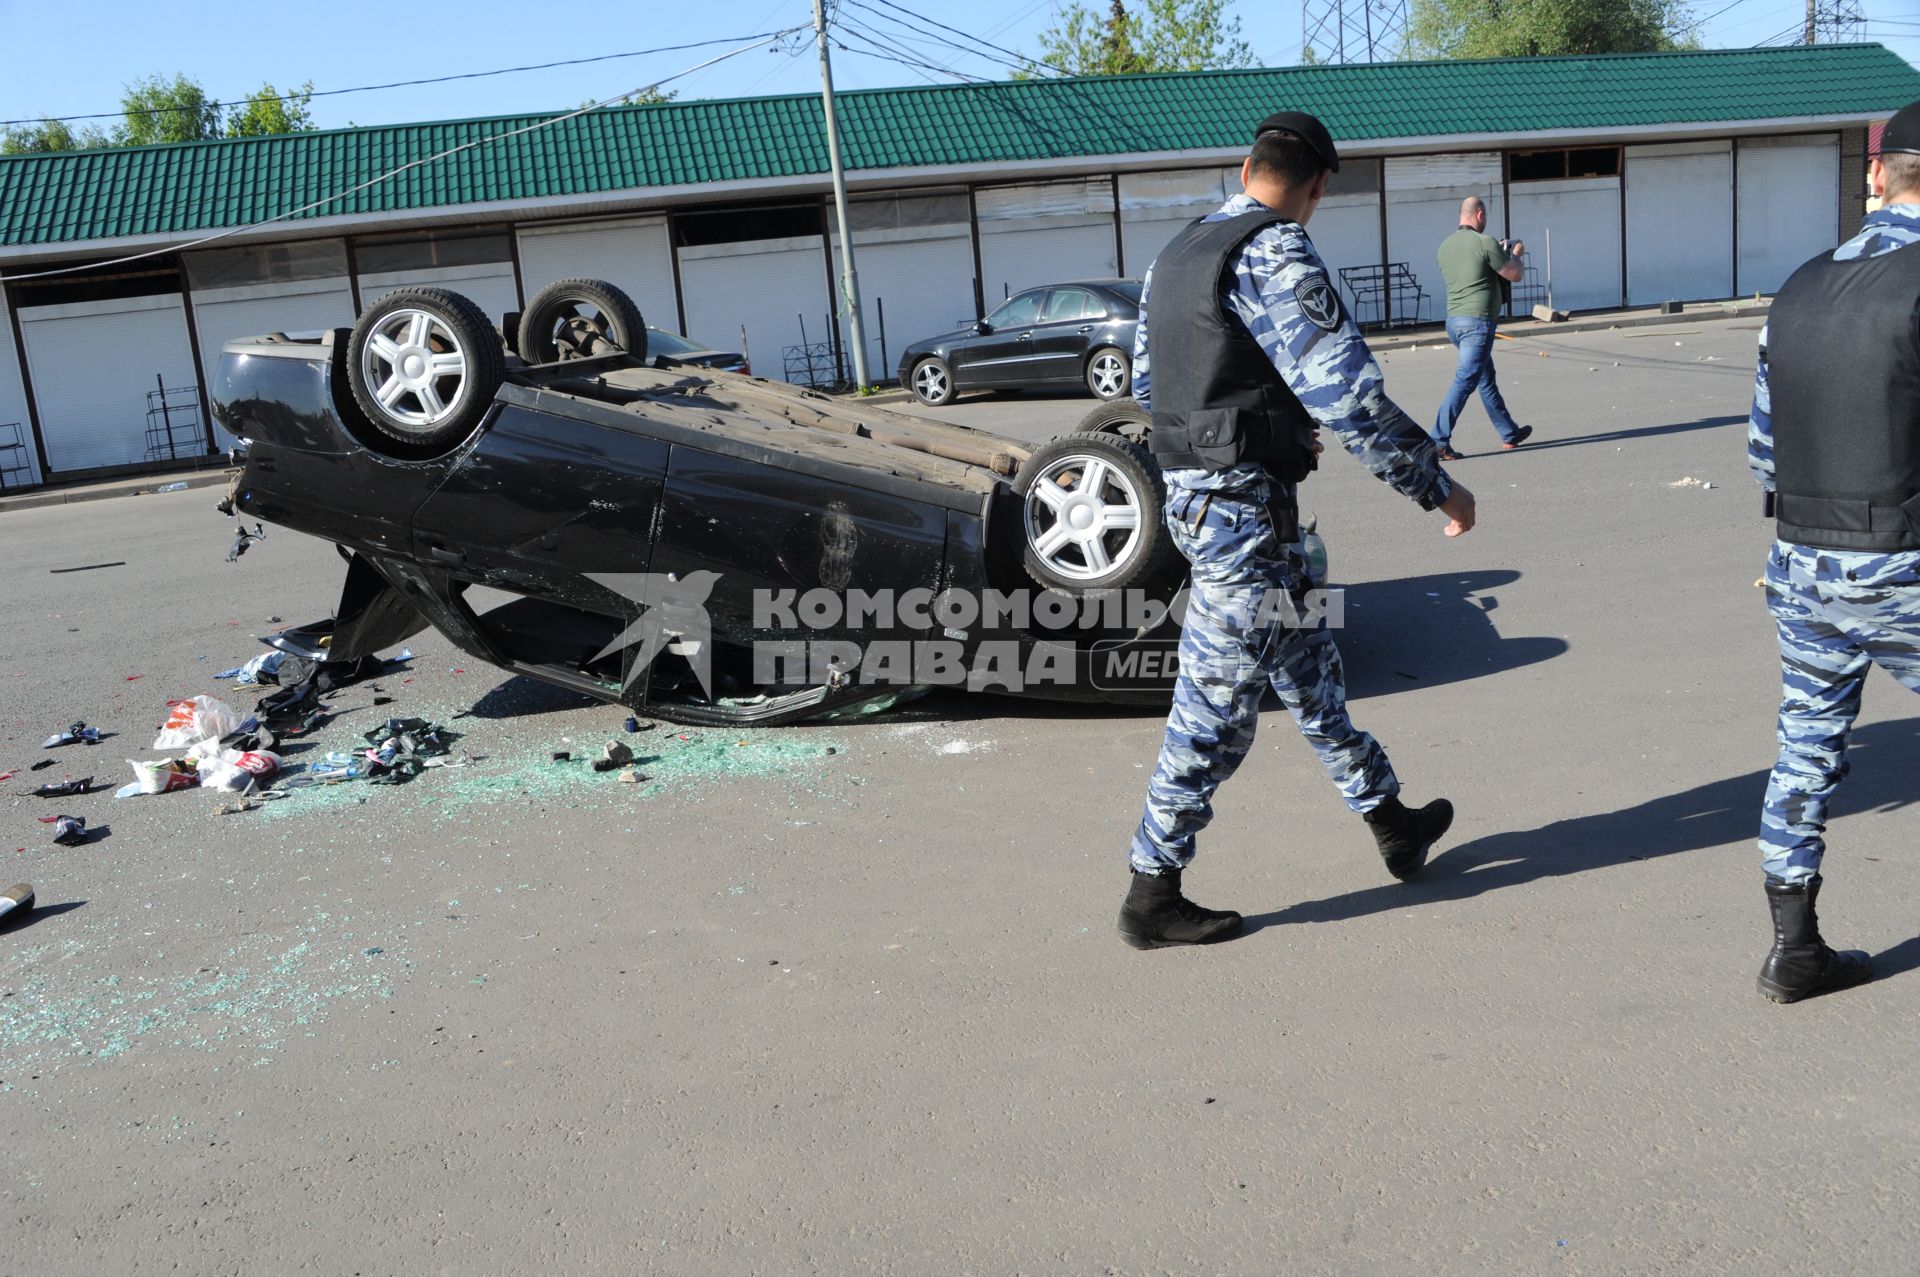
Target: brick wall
1853	180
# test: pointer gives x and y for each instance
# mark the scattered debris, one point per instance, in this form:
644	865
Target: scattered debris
614	757
1689	482
88	567
16	899
192	721
42	765
172	487
242	539
161	776
562	756
263	669
65	789
631	778
75	734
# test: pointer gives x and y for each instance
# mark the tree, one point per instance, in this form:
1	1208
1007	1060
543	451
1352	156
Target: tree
267	112
649	96
48	135
176	110
1163	35
157	110
1536	28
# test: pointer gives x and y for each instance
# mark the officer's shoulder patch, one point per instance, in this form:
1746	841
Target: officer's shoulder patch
1317	301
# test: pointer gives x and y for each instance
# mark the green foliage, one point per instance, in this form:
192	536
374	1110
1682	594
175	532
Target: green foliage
48	135
157	110
1162	35
650	96
1537	28
267	112
176	110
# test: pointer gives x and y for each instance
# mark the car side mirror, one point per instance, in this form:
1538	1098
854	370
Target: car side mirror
981	327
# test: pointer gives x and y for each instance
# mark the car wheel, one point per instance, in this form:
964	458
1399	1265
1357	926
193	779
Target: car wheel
933	382
424	365
1091	508
580	318
1110	373
1121	418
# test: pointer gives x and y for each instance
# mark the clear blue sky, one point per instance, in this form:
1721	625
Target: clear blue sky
74	57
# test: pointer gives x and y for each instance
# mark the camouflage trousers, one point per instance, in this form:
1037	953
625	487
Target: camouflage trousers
1235	644
1836	614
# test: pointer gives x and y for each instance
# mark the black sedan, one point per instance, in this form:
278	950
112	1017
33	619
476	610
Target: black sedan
703	545
1078	333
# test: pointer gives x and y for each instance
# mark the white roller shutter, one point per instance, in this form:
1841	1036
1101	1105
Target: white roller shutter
1044	233
775	288
1679	222
222	314
14	426
1423	208
633	255
919	281
489	285
1345	231
92	364
1154	207
1789	207
1582	216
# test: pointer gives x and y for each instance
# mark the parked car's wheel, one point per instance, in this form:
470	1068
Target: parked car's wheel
1121	418
932	381
1091	508
423	365
1110	373
576	318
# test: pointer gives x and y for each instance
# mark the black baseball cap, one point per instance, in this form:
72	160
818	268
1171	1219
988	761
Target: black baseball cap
1903	131
1315	135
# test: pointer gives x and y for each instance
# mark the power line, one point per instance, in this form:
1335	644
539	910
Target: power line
1022	59
893	53
1695	26
927	37
390	174
397	84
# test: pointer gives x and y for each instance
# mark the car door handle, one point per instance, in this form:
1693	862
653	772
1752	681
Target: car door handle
1026	336
446	554
1086	328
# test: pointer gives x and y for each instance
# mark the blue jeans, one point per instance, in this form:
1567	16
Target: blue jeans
1474	339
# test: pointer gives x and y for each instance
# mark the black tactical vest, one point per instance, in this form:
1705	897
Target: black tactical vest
1843	368
1217	400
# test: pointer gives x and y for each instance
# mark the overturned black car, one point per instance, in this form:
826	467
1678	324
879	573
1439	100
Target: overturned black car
705	546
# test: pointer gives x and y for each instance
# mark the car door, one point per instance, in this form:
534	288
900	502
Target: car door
1060	340
1004	354
557	511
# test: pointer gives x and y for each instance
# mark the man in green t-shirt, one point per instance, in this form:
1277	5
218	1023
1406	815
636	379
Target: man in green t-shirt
1473	263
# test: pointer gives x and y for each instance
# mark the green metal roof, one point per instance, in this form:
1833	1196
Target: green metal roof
51	199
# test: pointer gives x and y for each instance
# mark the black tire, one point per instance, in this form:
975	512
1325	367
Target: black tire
428	405
1110	557
1121	418
932	382
1109	373
578	318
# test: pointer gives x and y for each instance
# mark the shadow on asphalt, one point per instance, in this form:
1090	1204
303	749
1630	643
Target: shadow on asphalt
1425	631
1885	757
17	921
1618	436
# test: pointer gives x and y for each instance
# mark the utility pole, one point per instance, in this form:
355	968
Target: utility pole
849	278
1813	18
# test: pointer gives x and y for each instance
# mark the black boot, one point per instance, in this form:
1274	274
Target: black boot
1801	964
1156	915
1405	837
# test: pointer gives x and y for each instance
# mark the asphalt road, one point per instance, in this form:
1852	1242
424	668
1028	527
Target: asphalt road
849	999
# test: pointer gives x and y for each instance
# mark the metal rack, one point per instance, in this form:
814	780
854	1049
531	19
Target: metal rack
14	461
1389	296
174	428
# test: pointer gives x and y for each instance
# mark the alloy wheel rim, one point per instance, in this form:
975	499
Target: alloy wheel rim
1106	376
1083	517
412	357
930	382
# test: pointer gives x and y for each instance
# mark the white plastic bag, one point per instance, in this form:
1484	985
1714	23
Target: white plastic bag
191	721
233	770
163	775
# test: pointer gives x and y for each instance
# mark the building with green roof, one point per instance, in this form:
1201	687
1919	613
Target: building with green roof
1685	175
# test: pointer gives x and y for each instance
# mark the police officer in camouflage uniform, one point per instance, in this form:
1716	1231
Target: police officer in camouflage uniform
1835	440
1251	353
